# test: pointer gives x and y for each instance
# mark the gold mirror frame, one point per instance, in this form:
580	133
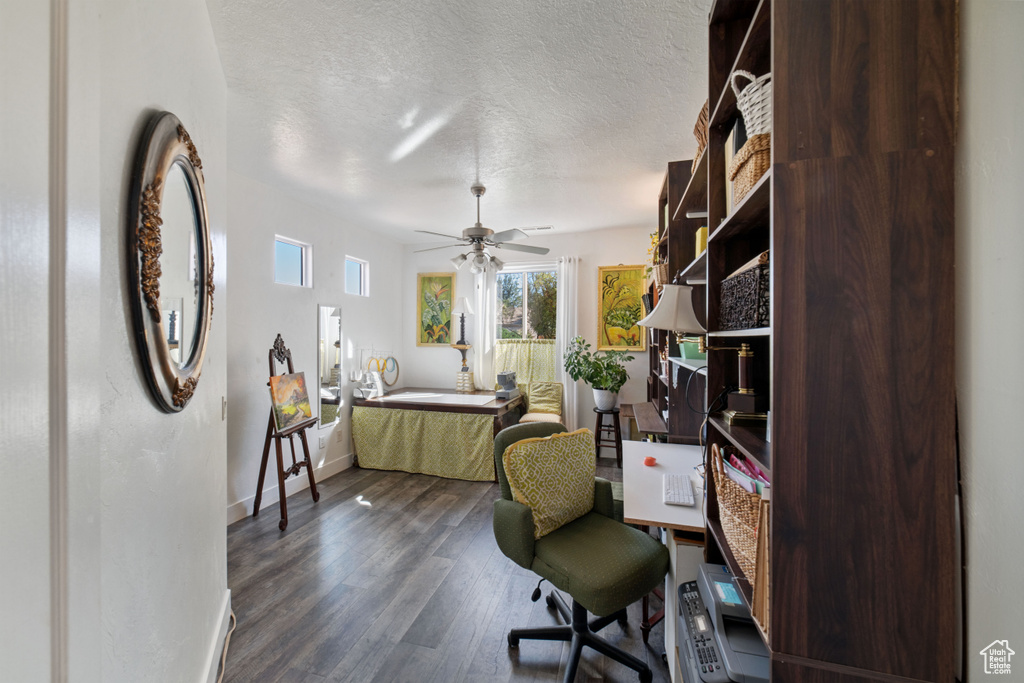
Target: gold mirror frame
165	143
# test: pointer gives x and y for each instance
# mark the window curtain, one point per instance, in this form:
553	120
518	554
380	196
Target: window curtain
567	328
533	360
485	328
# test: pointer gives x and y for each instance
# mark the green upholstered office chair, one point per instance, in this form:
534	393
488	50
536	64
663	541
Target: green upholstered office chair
603	564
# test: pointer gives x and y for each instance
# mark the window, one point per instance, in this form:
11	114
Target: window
527	304
293	262
357	276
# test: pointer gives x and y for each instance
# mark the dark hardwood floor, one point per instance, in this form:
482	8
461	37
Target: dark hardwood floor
396	577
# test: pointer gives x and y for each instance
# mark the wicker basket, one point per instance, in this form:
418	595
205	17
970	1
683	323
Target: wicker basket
754	102
749	164
700	131
739	512
660	271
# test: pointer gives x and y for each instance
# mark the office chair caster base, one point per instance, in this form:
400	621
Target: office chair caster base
580	634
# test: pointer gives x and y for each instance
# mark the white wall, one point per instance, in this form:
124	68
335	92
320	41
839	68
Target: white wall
258	309
990	321
25	625
163	548
436	366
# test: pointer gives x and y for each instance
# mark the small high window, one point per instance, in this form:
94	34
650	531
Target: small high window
293	262
357	276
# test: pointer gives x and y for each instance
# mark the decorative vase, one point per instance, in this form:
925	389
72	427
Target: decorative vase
605	399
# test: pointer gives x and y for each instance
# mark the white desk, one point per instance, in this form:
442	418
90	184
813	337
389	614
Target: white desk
641	504
641	485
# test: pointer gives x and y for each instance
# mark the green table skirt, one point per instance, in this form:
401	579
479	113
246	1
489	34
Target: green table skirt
452	445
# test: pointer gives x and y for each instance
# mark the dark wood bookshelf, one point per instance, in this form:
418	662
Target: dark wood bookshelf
863	108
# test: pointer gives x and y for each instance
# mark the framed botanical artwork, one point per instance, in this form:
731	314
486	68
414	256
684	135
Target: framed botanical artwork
434	297
619	307
291	400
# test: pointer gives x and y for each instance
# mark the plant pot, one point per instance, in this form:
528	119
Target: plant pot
605	399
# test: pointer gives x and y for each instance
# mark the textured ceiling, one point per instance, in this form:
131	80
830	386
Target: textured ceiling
387	112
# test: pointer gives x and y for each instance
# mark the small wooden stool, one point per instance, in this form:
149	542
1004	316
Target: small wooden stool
612	441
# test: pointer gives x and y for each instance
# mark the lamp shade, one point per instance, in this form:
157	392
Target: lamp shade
462	307
458	261
674	311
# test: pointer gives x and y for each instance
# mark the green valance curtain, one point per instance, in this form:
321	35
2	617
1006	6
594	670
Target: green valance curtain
533	360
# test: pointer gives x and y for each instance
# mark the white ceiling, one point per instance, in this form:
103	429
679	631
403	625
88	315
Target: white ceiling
387	112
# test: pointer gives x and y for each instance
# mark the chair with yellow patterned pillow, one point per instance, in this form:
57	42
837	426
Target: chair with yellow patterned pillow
543	402
556	518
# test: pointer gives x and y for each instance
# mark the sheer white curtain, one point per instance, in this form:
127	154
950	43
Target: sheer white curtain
567	307
485	328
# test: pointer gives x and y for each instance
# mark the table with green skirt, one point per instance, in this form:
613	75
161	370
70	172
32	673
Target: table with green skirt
431	431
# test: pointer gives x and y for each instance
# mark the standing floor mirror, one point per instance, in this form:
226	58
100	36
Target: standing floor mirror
329	325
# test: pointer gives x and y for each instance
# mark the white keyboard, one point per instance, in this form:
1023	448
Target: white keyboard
676	489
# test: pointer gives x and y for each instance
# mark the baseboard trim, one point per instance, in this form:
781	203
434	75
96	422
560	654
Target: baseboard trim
217	645
243	508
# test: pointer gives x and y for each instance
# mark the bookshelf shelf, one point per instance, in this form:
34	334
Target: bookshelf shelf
753	332
695	196
748	440
697	272
750	214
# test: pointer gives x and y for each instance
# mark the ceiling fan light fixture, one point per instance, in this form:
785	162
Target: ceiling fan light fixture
497	263
458	261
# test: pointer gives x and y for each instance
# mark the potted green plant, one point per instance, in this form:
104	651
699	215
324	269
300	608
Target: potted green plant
604	371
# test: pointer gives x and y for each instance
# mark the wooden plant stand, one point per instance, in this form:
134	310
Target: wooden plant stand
281	354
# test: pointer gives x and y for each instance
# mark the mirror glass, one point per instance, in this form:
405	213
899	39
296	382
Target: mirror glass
179	286
330	355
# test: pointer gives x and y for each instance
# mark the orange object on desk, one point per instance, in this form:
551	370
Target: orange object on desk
650	461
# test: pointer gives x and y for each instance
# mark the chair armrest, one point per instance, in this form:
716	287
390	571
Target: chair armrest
513	529
603	503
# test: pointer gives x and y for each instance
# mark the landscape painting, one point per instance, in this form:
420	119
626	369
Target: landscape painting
291	400
619	308
434	297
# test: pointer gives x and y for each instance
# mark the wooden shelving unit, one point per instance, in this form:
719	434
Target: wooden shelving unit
676	245
861	270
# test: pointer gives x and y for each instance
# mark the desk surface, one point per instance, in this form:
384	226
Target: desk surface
415	398
641	485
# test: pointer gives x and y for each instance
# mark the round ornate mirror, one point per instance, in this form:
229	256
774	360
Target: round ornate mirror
170	261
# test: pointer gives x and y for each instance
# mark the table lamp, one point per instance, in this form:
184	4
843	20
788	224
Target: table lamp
674	312
464	378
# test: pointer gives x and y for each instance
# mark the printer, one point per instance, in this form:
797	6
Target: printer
717	639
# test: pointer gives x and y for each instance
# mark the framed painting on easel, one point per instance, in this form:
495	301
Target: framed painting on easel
619	307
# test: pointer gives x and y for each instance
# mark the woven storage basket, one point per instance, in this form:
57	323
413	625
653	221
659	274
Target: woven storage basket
749	164
660	273
700	131
739	512
754	102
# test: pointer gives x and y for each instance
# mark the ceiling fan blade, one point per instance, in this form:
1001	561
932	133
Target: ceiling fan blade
446	246
508	235
538	227
523	247
451	237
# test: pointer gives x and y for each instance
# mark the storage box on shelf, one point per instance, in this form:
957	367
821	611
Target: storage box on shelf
847	139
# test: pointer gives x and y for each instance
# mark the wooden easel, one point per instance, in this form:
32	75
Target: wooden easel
281	354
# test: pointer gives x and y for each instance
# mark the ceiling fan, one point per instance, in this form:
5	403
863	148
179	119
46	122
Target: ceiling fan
479	238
